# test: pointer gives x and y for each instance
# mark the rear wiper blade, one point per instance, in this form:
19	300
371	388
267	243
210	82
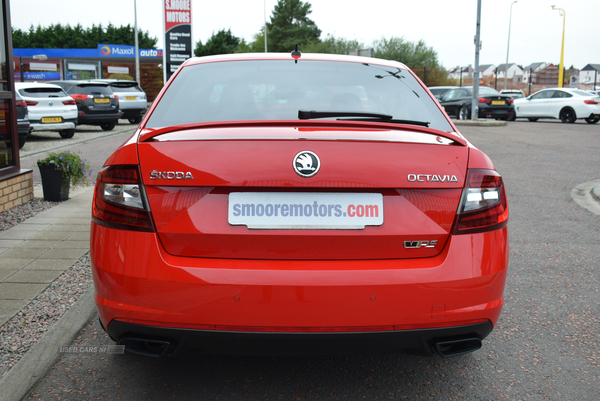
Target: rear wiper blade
308	114
394	121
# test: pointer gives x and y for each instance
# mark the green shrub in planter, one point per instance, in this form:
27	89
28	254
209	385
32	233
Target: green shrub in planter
61	170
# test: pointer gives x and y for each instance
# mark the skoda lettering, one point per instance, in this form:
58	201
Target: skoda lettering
171	175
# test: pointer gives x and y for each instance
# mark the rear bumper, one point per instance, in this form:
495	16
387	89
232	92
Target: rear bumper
143	291
99	118
132	113
37	125
495	112
447	341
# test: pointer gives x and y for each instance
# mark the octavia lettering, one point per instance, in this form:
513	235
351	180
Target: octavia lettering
432	178
171	175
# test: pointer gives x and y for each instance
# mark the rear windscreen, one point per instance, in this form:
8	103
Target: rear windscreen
125	87
42	92
92	90
278	89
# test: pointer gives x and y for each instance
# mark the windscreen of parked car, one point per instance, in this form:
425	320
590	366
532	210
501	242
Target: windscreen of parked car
277	90
92	90
485	91
43	92
125	87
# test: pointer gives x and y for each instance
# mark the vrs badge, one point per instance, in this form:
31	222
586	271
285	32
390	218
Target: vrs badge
420	244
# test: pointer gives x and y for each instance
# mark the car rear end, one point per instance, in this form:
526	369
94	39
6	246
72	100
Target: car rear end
132	99
587	106
229	225
49	107
493	104
97	103
23	126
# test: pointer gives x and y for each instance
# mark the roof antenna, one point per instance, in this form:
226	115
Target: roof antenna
296	54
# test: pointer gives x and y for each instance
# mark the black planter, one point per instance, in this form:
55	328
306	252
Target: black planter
55	188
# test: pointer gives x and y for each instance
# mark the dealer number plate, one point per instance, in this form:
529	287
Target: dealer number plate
52	120
102	100
305	210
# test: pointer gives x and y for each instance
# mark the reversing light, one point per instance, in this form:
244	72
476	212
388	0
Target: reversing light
119	200
483	204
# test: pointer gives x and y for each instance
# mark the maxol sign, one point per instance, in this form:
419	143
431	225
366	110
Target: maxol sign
115	51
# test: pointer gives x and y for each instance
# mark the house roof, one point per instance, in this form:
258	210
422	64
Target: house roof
591	67
502	67
534	66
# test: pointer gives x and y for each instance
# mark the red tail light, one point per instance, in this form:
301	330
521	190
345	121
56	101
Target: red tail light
484	100
511	100
120	201
22	103
115	96
483	204
78	96
69	103
590	101
30	103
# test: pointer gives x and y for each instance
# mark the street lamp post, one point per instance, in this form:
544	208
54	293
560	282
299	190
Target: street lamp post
563	14
265	10
508	45
137	49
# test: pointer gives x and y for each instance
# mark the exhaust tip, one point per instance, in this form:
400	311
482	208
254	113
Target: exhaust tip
147	347
447	349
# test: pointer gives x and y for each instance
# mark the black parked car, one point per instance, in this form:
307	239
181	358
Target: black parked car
96	102
24	127
492	104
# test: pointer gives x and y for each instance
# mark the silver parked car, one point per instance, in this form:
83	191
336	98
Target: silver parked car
132	99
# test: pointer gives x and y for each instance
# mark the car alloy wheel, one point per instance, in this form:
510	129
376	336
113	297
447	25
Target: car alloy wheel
464	114
567	115
533	119
592	120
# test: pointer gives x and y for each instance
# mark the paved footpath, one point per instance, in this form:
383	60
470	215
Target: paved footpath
32	255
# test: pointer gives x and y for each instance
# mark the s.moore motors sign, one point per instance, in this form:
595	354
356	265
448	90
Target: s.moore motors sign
178	34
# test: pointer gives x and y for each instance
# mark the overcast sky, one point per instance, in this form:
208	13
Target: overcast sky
446	26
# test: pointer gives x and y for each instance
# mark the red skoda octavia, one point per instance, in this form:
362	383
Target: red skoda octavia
298	204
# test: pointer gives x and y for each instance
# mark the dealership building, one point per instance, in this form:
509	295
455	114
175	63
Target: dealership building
106	61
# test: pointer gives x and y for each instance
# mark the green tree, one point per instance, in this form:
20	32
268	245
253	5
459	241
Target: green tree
256	46
333	45
409	53
290	25
76	37
223	42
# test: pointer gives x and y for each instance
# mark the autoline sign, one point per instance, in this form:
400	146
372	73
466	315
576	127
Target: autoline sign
105	50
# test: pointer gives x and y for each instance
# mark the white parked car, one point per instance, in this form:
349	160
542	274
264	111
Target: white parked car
49	107
562	103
